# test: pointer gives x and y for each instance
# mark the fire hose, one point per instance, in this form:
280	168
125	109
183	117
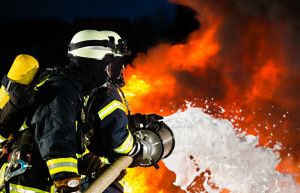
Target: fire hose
110	174
158	143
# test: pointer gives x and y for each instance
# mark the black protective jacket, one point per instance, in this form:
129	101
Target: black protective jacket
54	120
108	116
49	142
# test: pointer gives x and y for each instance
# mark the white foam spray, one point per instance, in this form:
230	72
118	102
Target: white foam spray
235	162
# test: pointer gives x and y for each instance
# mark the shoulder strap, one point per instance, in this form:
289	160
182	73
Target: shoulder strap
44	76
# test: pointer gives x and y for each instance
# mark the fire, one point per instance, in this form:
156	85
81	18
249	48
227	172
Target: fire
140	91
144	180
164	61
235	60
266	81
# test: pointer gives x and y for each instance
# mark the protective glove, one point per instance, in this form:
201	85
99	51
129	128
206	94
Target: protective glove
136	153
138	121
93	166
67	185
90	164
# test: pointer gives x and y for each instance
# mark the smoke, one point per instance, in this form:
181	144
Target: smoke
205	83
272	10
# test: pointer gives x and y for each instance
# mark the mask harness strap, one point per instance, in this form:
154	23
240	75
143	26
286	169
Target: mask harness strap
123	95
116	85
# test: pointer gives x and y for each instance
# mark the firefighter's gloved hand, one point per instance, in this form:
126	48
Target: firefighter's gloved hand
136	153
158	125
93	166
90	164
67	185
138	121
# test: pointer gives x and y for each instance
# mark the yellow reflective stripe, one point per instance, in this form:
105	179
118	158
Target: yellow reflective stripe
76	125
126	146
2	139
123	100
85	100
62	165
108	109
122	182
2	173
52	189
86	151
15	188
40	84
63	169
24	126
104	160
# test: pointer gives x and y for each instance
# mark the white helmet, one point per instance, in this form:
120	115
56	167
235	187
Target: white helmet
103	50
95	44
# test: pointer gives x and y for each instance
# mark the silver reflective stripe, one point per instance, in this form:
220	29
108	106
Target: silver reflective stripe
63	164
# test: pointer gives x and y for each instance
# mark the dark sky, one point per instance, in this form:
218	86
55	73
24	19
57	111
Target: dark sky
44	28
67	10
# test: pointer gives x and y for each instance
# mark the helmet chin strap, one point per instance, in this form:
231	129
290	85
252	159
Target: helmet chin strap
108	71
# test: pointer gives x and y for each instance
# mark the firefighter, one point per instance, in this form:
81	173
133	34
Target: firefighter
106	130
44	157
52	152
